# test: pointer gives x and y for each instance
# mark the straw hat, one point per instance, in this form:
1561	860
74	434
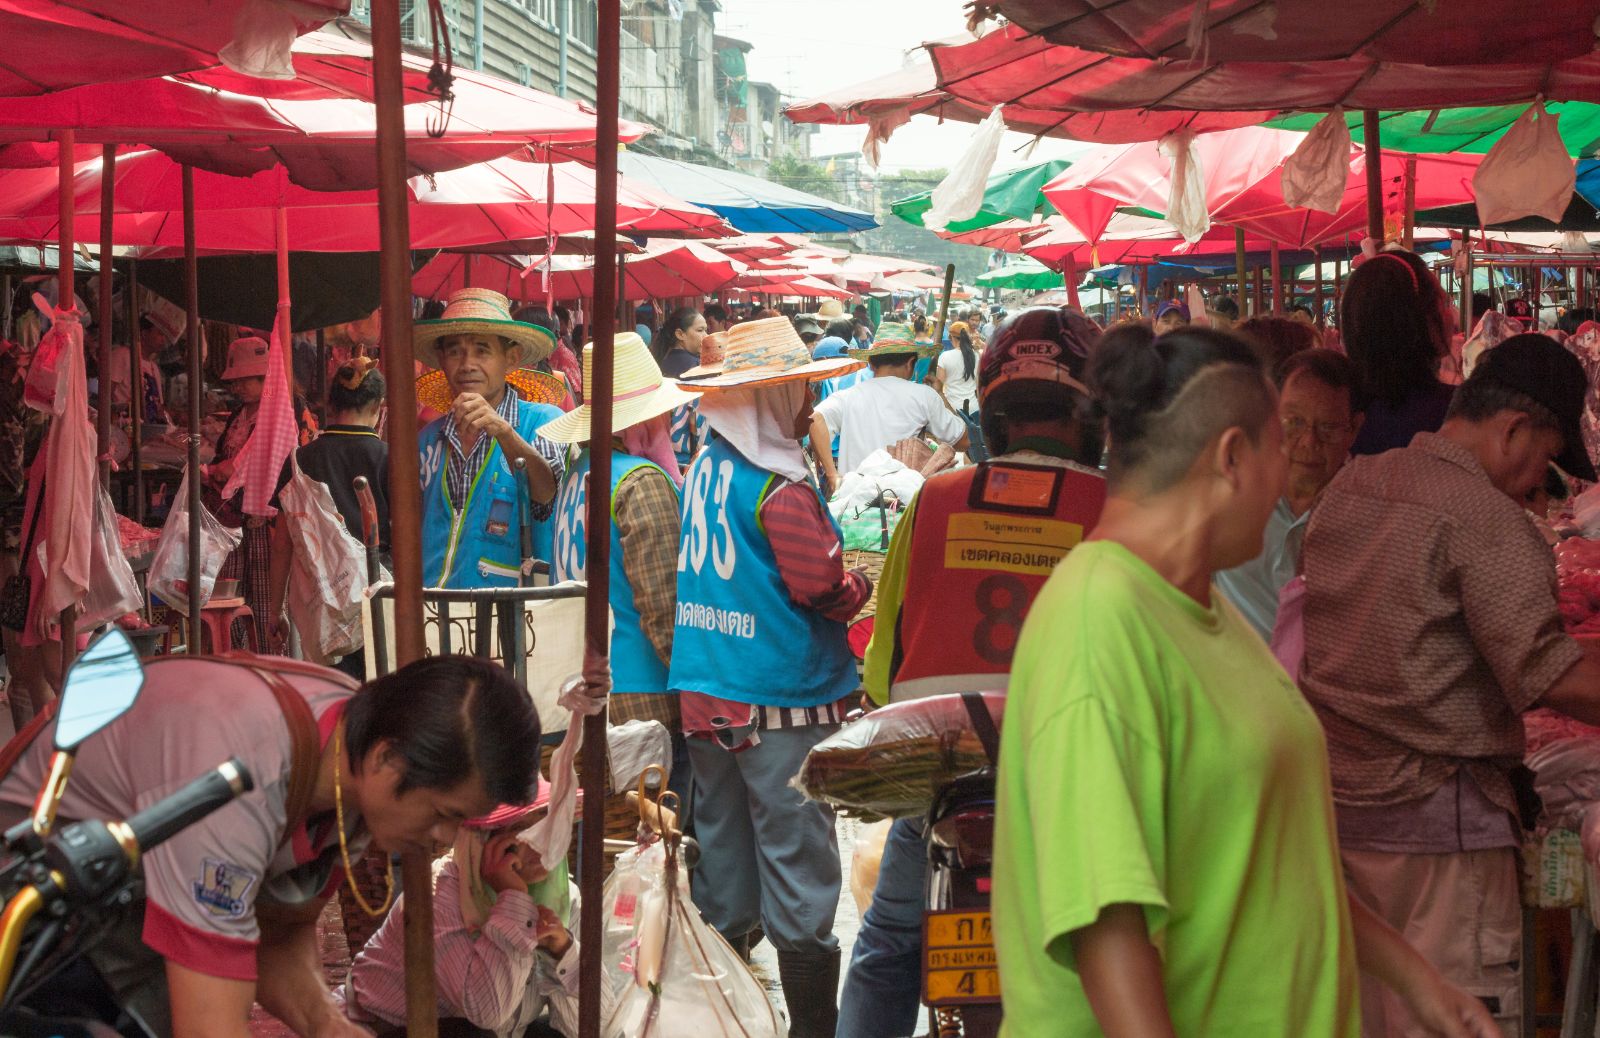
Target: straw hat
712	349
830	310
638	393
893	338
481	311
536	387
767	353
247	358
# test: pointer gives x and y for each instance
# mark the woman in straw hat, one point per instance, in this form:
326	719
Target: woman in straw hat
760	661
472	495
644	533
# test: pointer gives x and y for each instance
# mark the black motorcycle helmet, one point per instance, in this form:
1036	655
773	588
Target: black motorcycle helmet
1035	368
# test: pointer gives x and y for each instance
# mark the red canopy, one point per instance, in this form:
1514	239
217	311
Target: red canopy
59	44
665	269
1010	66
1128	239
486	203
789	283
1457	32
326	65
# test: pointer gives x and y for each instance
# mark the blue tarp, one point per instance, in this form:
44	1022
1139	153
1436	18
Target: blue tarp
752	205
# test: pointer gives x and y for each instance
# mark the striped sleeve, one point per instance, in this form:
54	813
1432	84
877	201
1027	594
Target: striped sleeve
809	555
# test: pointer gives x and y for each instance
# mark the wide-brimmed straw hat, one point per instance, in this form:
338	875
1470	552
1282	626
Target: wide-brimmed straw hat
639	393
712	349
767	353
536	387
481	311
893	338
830	310
247	358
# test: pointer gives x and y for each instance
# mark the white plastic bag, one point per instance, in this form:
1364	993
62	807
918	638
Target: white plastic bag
672	973
1527	173
264	32
960	193
169	569
327	572
113	591
1316	174
1186	204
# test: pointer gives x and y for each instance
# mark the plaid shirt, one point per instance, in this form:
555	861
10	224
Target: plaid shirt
463	465
646	507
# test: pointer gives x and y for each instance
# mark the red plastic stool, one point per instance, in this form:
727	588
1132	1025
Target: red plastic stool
216	620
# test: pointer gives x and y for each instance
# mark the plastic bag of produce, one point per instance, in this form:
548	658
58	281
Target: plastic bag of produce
113	591
890	763
671	973
169	570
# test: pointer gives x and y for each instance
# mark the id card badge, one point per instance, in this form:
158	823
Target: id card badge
498	524
1017	489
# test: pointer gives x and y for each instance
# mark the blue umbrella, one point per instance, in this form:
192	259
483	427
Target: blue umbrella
752	205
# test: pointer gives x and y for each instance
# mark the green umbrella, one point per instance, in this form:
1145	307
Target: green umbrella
1471	130
1026	275
1014	195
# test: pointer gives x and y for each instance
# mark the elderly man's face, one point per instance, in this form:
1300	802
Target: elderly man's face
1319	427
477	364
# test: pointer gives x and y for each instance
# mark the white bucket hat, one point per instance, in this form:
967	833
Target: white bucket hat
638	394
481	311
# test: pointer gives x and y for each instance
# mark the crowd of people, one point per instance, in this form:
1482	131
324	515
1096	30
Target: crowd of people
1281	610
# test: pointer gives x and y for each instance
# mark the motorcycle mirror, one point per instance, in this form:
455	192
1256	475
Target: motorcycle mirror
100	688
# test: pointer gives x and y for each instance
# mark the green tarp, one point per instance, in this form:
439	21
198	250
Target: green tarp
1034	277
1013	195
1471	130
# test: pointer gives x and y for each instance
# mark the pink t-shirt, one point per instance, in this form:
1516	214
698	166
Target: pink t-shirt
202	884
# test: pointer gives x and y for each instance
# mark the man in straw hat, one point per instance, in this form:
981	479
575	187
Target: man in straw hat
472	495
760	661
645	479
885	409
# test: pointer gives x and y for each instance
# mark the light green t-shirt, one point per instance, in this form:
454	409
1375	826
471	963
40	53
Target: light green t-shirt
1154	753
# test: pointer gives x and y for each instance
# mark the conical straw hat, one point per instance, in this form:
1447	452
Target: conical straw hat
767	353
481	311
639	393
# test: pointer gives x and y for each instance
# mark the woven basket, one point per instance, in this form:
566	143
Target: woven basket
872	562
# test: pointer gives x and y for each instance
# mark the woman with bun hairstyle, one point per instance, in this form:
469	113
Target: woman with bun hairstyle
1397	322
1156	756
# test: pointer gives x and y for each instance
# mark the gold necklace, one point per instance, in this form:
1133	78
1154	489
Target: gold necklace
344	848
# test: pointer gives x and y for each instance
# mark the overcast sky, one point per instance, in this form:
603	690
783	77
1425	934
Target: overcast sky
808	47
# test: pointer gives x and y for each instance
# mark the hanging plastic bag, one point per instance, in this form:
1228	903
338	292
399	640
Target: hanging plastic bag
672	973
1316	174
327	570
264	32
1527	173
169	569
960	193
46	385
1186	204
113	591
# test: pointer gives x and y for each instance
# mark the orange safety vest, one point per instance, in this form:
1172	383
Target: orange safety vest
984	540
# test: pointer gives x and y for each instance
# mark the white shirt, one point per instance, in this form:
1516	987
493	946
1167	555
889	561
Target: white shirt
881	412
959	389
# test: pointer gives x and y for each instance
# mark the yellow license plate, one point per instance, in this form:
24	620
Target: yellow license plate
958	959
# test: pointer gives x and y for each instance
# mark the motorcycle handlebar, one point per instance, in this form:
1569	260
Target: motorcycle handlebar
163	819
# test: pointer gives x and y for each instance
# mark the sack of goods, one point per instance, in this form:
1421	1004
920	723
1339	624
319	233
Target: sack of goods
892	762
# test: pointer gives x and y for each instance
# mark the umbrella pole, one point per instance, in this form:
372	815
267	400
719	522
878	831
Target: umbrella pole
136	370
1320	321
1374	146
1408	234
108	155
944	303
405	481
1238	263
597	612
66	301
1072	281
1277	281
1258	291
285	325
191	281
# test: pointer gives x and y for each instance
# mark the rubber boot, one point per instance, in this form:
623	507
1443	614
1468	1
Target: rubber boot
811	991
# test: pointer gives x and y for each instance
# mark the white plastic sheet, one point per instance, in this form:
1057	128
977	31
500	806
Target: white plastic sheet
264	32
327	571
113	591
169	569
960	194
1316	174
1527	173
1186	205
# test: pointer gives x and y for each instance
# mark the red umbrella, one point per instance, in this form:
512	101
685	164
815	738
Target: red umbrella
1127	239
1011	66
326	65
481	204
1242	171
663	270
66	43
1461	32
789	283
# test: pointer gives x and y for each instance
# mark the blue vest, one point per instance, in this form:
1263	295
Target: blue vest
635	667
688	431
477	543
738	634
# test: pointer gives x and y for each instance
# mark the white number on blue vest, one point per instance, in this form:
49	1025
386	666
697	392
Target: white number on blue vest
698	540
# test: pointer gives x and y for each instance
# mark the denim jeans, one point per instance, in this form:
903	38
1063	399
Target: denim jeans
882	994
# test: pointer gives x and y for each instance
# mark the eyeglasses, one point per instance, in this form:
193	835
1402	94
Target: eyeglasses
1323	432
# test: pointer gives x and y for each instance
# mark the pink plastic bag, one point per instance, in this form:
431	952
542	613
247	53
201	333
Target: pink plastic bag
1527	173
1289	633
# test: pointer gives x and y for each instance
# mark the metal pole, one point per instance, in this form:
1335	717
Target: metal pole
405	481
1277	281
108	156
1238	266
136	366
191	281
597	614
1374	147
285	322
66	300
1321	321
1256	292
